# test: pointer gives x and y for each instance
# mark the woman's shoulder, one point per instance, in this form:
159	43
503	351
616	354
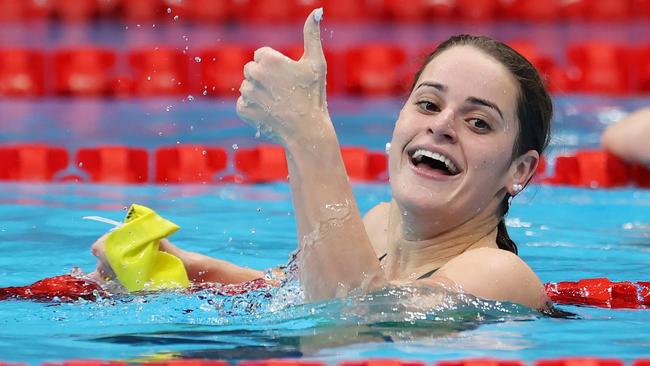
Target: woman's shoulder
376	224
496	274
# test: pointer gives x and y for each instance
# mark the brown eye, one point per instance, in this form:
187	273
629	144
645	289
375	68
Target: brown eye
428	106
479	124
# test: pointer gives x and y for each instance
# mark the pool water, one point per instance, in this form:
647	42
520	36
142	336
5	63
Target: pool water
563	234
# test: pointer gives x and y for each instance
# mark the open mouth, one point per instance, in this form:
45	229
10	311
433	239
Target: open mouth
429	160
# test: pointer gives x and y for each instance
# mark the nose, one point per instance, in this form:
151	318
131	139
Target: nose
442	127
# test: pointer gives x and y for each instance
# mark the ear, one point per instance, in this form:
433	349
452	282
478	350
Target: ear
521	170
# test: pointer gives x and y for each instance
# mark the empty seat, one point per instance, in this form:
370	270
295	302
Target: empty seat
599	67
477	10
532	11
416	11
114	164
357	11
159	71
608	10
75	10
189	163
556	78
31	162
209	10
83	71
21	72
266	11
377	69
142	10
641	67
20	10
222	69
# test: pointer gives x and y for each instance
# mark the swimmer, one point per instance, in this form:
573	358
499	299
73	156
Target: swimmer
467	140
628	138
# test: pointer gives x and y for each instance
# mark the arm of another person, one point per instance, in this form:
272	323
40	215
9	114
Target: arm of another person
492	274
628	138
285	100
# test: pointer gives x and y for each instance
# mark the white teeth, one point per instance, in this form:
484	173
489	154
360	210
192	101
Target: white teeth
419	153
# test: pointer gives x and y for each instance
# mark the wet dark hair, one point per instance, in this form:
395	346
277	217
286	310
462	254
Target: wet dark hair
534	106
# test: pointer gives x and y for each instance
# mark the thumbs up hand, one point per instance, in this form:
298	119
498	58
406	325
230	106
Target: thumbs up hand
285	99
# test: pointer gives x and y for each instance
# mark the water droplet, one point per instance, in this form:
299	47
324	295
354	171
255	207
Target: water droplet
81	164
204	152
235	146
169	108
253	231
149	78
191	127
169	10
160	133
190	98
197	59
176	17
205	92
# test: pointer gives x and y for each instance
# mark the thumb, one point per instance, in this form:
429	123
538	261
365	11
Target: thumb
313	46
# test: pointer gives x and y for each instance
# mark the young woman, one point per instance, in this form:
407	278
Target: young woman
468	138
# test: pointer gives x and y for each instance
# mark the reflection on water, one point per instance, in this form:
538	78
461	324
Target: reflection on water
251	326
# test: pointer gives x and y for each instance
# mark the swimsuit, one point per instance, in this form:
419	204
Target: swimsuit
426	275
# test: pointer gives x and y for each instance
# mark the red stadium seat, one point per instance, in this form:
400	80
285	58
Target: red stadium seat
641	69
114	164
608	10
477	10
21	72
416	11
83	71
266	11
566	171
76	10
599	67
189	163
159	71
532	11
209	10
601	169
556	79
222	69
376	69
20	10
573	10
142	10
357	11
31	162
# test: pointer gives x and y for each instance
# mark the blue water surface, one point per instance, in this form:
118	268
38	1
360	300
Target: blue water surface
563	234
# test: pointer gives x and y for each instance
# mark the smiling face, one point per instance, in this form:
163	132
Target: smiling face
451	153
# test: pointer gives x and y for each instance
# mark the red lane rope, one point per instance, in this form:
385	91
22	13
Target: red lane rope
600	292
183	164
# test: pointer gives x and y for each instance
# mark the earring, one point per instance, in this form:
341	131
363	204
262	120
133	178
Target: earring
517	187
387	148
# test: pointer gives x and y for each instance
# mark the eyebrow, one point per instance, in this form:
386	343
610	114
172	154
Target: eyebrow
486	103
471	100
442	88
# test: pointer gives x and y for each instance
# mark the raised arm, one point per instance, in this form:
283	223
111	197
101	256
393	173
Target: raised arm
286	101
628	138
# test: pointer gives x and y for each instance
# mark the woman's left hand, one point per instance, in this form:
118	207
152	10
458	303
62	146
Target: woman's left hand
285	99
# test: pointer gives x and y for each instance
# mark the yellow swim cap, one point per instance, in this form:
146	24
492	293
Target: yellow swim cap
132	251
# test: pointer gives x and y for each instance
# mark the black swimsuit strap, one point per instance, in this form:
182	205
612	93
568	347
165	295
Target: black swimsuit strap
426	275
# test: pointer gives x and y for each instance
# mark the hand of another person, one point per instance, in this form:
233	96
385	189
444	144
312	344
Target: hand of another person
283	98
